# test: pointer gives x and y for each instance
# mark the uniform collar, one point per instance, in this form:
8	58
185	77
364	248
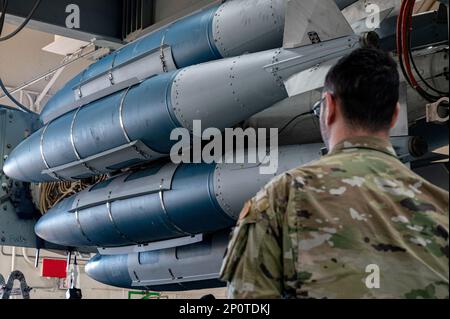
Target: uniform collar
365	142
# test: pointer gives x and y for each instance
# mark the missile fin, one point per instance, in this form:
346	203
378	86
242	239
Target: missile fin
304	23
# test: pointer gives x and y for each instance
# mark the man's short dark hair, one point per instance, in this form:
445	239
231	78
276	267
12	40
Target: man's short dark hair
366	83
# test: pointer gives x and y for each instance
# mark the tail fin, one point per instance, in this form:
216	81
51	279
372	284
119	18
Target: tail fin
309	22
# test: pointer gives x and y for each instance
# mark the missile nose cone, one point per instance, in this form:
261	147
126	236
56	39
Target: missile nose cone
11	168
42	228
110	270
59	226
8	168
48	227
25	163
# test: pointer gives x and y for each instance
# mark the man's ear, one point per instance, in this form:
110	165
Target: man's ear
330	110
395	116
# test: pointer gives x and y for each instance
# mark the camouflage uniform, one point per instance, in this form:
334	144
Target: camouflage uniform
312	232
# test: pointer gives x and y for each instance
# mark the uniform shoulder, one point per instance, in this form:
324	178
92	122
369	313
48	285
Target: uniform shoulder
313	172
270	201
278	190
279	182
314	169
281	185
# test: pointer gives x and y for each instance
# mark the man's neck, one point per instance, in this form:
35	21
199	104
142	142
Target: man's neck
343	135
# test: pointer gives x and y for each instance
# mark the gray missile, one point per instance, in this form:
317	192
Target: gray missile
206	35
162	202
134	125
230	29
169	201
192	264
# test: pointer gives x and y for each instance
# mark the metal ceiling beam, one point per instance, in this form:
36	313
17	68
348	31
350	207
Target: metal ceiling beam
100	19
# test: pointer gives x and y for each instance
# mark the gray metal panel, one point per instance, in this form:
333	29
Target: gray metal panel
14	231
141	68
259	22
224	92
161	180
104	162
171	243
292	61
171	269
91	87
148	66
232	195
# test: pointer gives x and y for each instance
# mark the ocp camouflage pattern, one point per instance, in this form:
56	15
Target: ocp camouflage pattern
313	231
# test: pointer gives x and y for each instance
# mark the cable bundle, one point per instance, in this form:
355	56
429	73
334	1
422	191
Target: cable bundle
404	51
51	194
4	6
